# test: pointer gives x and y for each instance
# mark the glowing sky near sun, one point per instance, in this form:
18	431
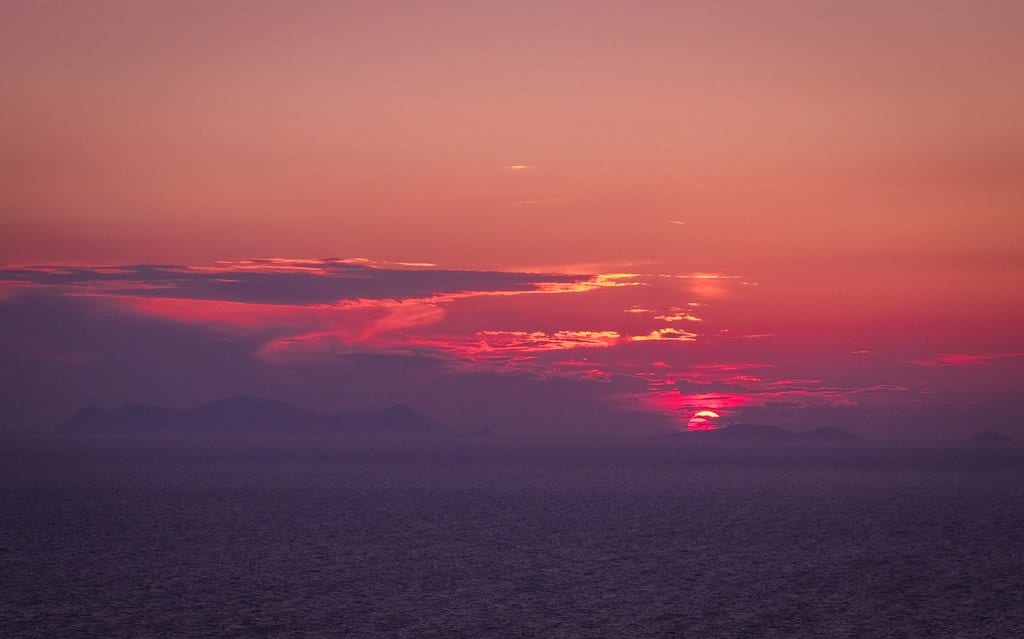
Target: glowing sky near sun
791	211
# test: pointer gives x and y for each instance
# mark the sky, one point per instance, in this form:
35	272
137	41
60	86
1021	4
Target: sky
540	217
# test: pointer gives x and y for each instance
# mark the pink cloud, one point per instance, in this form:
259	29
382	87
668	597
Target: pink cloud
963	359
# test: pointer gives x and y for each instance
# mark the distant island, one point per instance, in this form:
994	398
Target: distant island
759	432
990	437
246	415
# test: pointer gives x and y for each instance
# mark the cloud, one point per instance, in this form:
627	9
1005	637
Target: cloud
307	307
284	281
688	387
546	201
523	342
677	314
963	359
341	333
666	335
668	314
61	353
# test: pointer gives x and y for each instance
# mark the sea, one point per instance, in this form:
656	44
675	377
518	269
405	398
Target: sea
503	537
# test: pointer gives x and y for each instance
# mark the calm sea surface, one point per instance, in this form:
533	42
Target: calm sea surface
510	538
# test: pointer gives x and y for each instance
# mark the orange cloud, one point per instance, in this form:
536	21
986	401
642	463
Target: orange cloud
523	342
665	335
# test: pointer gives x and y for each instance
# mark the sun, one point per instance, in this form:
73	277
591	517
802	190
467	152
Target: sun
703	420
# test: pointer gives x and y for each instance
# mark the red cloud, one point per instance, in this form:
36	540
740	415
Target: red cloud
963	359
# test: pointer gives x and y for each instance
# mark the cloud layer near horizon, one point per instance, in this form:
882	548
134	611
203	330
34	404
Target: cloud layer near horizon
522	352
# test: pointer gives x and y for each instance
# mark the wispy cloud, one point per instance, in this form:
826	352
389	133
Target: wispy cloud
287	281
963	359
540	202
666	335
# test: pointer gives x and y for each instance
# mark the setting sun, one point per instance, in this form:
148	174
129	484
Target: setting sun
703	420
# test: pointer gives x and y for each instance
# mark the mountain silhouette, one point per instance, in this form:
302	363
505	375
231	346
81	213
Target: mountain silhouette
252	415
747	431
828	433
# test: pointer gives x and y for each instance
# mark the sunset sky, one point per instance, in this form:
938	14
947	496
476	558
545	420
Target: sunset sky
541	217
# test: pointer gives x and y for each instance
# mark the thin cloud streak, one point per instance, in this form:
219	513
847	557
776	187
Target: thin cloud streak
963	359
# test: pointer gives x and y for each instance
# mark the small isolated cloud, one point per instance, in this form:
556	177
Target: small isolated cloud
677	314
707	276
545	201
538	341
666	335
730	367
669	314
